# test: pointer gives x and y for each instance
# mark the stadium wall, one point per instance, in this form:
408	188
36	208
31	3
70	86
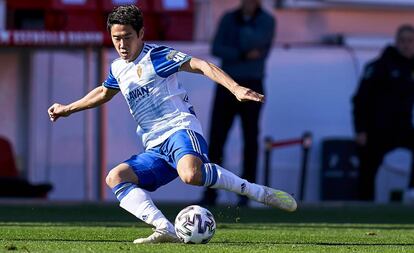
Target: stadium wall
308	89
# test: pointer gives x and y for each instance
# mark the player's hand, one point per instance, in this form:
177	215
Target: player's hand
245	94
254	54
56	111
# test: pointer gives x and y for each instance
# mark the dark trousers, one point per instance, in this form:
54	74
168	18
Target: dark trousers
17	187
225	108
372	154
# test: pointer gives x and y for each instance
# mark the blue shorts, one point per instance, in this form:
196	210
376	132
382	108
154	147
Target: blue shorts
158	166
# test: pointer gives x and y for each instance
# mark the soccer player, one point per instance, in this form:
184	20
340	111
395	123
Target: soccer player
146	75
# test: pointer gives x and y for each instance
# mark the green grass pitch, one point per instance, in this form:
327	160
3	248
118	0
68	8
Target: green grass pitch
45	227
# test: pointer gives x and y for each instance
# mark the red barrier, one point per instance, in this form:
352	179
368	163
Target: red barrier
280	144
305	141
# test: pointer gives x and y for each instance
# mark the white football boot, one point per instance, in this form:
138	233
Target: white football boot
159	236
279	199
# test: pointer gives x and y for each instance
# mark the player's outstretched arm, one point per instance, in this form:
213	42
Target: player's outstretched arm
216	74
94	98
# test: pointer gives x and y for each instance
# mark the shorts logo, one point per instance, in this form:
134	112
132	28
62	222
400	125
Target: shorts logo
144	217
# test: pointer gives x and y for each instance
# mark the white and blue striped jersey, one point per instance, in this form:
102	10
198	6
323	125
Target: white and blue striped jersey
156	100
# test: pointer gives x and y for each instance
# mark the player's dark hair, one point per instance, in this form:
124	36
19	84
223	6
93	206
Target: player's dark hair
404	28
126	15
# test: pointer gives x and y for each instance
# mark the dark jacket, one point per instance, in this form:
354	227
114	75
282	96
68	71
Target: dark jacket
235	37
383	102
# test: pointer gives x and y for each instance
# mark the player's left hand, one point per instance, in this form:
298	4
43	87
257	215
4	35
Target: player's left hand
245	94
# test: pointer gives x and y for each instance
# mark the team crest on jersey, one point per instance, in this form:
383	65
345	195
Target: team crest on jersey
175	56
139	71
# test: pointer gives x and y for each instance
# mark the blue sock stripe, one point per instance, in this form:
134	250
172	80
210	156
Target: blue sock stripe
208	180
122	189
127	190
119	186
214	174
209	174
205	172
203	175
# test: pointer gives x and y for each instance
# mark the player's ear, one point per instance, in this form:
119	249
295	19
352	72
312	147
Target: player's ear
141	33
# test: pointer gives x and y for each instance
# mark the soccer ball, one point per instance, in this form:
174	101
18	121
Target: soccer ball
195	224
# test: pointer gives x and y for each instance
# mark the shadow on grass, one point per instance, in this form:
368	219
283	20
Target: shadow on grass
319	243
225	242
220	225
66	240
135	224
94	213
293	226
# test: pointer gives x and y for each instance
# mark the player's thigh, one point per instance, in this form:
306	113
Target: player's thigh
151	170
186	142
188	151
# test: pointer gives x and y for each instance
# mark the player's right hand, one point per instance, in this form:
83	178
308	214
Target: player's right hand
254	54
56	111
245	94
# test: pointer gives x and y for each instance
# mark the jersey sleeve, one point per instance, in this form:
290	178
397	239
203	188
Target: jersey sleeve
111	81
167	61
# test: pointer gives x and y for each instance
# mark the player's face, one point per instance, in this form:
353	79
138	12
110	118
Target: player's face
250	6
127	42
405	44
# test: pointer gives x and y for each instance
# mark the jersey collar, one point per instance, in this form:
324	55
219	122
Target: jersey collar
144	51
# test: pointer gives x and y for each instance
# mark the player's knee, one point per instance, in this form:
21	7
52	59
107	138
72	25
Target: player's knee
189	170
191	176
119	175
113	178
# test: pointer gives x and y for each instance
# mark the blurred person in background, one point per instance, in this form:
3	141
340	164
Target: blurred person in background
383	110
242	42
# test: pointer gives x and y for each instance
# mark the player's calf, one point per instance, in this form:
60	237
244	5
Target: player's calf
215	176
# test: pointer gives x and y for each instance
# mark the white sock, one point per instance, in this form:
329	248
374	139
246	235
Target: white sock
220	178
139	203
